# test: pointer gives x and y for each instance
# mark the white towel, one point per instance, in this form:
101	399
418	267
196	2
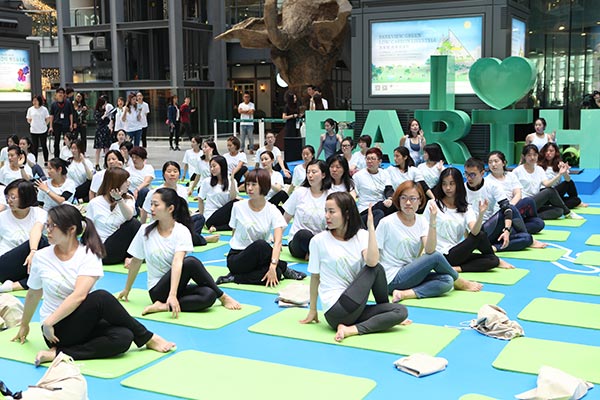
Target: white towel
421	364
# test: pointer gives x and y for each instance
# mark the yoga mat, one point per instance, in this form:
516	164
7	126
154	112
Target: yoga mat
571	283
414	338
562	312
527	355
565	222
103	368
552	236
214	318
209	246
120	268
222	233
19	293
216	272
587	210
593	240
286	256
473	396
547	254
498	276
226	377
457	300
588	258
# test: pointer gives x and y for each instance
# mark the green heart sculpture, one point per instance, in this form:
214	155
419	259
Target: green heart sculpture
502	83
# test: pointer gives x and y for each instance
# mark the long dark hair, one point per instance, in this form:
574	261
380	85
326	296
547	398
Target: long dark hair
408	160
65	216
289	101
545	163
222	162
326	182
346	179
500	155
57	163
410	132
210	143
114	178
347	206
460	196
181	212
100	103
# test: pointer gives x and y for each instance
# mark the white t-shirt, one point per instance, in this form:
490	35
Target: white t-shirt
233	161
119	123
430	175
532	183
308	211
250	226
399	244
213	196
451	226
550	174
4	154
105	220
508	184
38	119
276	179
97	179
57	278
7	175
192	159
202	168
246	107
181	191
397	177
299	175
65	153
145	110
76	171
358	160
276	153
158	251
115	146
132	124
337	262
370	187
338	188
67	186
490	191
137	176
14	231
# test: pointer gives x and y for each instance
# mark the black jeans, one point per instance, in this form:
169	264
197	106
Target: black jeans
117	244
568	192
11	263
58	131
300	243
252	263
37	140
220	218
462	254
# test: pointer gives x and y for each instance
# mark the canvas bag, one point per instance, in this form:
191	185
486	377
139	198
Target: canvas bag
554	384
493	321
11	311
295	294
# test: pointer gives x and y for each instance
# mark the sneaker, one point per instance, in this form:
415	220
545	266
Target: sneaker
572	215
225	279
293	274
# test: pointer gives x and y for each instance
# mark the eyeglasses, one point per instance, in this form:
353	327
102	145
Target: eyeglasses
346	145
11	197
49	226
372	159
471	175
413	199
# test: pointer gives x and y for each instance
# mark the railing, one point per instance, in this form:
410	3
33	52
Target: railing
261	126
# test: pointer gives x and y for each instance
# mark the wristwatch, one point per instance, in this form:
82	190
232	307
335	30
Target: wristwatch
274	261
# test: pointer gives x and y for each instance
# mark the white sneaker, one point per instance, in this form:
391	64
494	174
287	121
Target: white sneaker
572	215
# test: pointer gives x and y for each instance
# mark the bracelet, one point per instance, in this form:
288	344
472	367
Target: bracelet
32	250
47	191
21	167
117	200
506	229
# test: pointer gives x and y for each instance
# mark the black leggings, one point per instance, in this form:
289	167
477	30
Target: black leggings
252	263
528	210
83	191
173	134
379	211
462	254
352	309
277	168
144	134
550	204
279	198
298	246
191	298
117	244
220	218
240	174
568	192
37	140
11	263
99	328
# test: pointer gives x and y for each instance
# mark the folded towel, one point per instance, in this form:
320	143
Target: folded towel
421	364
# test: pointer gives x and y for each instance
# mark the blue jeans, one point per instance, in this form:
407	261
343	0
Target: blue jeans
136	136
519	237
247	130
418	276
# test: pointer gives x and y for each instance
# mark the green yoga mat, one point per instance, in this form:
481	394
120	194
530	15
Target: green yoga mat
105	368
457	300
414	338
587	210
210	246
19	293
227	377
215	272
565	222
588	258
571	283
593	240
286	256
474	396
498	276
120	268
527	355
547	254
222	233
214	318
562	312
552	236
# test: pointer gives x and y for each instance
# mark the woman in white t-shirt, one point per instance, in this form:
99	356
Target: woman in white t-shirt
432	165
405	170
217	195
209	150
16	168
550	160
81	171
20	234
276	193
278	163
112	212
164	245
537	186
251	258
306	206
12	140
76	319
344	267
113	158
191	158
402	237
357	161
119	124
65	150
458	229
339	171
141	174
299	173
121	137
38	119
25	145
236	160
58	188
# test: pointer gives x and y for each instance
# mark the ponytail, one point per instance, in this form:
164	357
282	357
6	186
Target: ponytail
65	216
181	212
91	239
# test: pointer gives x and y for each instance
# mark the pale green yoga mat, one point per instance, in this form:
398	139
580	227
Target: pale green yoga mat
572	283
286	256
562	312
214	318
457	300
19	293
565	222
593	240
105	368
587	210
546	254
588	258
215	272
414	338
527	355
197	375
552	236
498	276
205	231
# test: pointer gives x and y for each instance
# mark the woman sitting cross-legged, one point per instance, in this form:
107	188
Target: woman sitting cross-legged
276	193
217	195
551	161
251	258
81	171
402	237
58	189
344	267
80	322
164	244
113	158
20	234
112	212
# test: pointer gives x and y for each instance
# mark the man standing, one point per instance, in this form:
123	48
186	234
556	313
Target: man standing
144	111
246	110
61	119
185	112
312	90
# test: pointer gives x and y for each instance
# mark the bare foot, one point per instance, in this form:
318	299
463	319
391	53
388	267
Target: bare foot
538	245
469	286
229	302
583	205
457	269
212	229
44	356
406	322
504	265
344	331
156	307
399	295
159	344
212	238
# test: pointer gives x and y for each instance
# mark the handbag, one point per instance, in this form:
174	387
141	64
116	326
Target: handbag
62	380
